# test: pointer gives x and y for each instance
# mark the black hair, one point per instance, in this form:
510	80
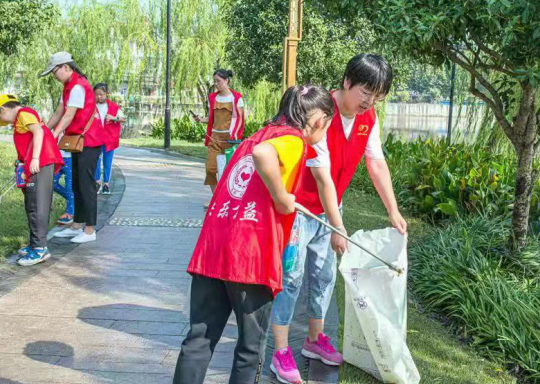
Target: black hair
12	104
103	86
225	74
371	71
75	68
299	101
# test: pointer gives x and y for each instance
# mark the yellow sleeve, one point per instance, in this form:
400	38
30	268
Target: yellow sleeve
24	120
289	149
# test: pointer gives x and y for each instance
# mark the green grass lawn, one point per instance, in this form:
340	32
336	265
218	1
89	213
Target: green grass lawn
13	224
180	146
440	358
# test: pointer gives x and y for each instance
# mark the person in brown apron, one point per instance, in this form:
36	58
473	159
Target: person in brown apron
225	122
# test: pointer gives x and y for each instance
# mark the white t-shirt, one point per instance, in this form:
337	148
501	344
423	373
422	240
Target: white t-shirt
76	97
103	109
230	99
373	148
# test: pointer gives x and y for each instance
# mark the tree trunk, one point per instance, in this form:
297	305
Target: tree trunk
525	180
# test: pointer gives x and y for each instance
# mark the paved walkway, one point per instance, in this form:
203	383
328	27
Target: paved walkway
116	311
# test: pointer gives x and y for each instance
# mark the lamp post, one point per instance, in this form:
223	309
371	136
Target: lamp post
290	48
167	143
452	89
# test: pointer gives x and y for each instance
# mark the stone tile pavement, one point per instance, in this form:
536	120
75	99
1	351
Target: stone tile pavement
116	311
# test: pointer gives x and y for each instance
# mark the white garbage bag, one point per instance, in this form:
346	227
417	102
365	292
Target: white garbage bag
376	307
221	163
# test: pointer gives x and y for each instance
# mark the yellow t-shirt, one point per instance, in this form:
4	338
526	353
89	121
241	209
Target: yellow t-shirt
23	121
289	149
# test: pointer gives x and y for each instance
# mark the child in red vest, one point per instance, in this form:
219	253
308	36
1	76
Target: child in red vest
354	131
237	263
112	117
38	152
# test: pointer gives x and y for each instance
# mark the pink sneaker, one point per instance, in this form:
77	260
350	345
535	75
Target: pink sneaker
322	350
284	367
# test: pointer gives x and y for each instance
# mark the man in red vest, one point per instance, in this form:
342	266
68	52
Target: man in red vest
354	131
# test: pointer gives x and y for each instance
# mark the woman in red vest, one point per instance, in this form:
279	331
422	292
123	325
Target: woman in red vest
38	152
353	133
75	113
111	117
225	122
237	263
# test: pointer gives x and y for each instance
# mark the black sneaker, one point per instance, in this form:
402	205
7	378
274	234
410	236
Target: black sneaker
105	190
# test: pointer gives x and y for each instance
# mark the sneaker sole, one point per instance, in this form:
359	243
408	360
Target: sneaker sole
280	379
65	236
44	258
311	355
64	223
82	242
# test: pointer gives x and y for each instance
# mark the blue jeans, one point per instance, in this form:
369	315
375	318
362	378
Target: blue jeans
313	246
107	158
66	190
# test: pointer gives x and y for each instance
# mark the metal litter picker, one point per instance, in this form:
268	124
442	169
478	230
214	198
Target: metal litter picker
375	333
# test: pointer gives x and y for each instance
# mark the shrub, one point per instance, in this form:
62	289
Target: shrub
465	273
437	180
185	128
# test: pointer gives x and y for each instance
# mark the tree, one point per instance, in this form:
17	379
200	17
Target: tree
496	41
21	20
257	29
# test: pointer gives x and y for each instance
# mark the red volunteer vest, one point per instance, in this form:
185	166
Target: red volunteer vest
50	154
95	136
243	236
345	155
112	128
238	130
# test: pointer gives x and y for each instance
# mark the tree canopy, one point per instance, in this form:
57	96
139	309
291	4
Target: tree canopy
21	20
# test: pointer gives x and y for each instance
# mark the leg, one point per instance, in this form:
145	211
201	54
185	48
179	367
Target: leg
252	306
107	166
66	190
87	167
68	181
322	269
283	308
210	310
78	219
321	278
211	165
97	174
38	200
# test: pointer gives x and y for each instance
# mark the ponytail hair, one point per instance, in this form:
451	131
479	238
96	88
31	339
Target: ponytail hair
299	102
225	74
75	68
103	86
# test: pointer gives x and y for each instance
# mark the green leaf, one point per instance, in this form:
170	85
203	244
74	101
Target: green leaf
449	208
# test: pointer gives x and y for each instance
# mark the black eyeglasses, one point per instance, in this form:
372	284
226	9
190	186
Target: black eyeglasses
56	69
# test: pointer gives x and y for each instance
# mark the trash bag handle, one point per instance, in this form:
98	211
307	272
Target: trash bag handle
306	212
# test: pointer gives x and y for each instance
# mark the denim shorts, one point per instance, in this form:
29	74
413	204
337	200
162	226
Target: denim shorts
313	247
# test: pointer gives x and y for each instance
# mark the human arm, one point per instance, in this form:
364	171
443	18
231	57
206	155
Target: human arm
55	118
380	176
65	121
266	162
328	196
37	143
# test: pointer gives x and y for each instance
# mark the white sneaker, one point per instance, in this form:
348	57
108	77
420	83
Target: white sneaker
68	232
84	238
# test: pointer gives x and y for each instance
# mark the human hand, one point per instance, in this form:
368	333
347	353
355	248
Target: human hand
398	222
338	243
34	166
110	118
